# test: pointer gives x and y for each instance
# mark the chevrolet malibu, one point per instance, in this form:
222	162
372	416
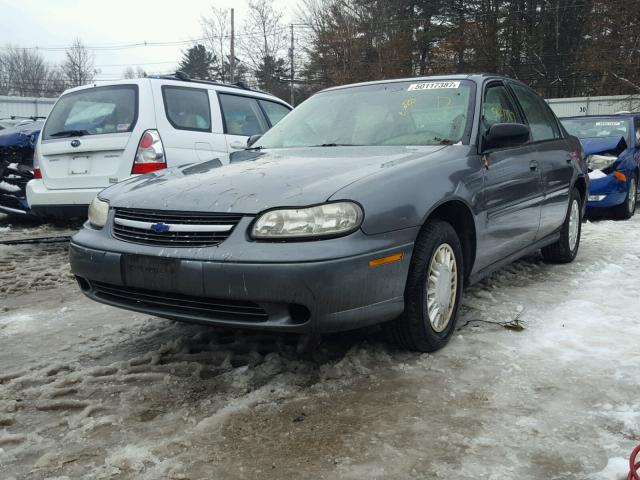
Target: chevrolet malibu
369	203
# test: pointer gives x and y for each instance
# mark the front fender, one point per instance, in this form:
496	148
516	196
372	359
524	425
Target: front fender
404	195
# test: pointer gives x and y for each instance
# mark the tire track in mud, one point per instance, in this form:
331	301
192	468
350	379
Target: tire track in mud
25	269
184	382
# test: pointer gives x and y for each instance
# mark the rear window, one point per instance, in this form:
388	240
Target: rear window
187	108
94	111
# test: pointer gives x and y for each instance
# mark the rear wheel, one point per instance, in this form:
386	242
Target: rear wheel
626	209
433	290
566	248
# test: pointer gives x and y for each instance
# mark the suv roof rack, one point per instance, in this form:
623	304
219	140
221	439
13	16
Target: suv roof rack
181	76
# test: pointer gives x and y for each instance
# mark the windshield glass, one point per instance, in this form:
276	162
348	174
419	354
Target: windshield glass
597	127
94	111
419	112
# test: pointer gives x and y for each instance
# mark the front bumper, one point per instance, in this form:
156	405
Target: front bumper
285	292
613	190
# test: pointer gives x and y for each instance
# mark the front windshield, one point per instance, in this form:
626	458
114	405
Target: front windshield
400	113
597	127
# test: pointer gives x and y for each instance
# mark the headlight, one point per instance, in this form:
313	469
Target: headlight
600	162
337	218
98	212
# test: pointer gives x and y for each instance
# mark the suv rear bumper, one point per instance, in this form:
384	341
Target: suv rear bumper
60	203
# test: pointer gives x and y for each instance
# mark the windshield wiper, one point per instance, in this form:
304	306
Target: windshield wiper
336	145
253	149
70	133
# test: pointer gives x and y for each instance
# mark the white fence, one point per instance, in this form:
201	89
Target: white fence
25	106
569	107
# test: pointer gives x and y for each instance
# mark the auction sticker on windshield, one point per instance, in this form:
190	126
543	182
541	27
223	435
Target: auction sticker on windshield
433	85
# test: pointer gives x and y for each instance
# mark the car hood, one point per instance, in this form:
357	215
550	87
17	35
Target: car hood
255	181
594	145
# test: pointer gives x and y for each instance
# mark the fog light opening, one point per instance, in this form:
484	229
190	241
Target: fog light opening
299	313
84	284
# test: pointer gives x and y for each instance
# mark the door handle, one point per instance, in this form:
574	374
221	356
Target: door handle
533	165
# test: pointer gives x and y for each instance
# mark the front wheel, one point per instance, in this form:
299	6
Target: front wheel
433	290
566	248
626	210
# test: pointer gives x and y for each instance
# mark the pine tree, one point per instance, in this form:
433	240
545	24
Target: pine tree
198	62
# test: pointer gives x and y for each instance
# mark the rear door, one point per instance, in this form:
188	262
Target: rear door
188	122
552	154
90	137
512	186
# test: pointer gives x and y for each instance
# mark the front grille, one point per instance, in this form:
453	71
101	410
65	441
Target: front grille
184	229
175	303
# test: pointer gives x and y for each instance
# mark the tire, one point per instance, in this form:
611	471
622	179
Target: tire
437	245
626	209
566	248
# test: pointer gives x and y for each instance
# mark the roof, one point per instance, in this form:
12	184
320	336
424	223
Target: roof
610	115
182	78
476	77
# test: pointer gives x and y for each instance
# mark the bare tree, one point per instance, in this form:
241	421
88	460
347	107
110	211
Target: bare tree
263	37
56	82
216	30
130	73
78	66
23	72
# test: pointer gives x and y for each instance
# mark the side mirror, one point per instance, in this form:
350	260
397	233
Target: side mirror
502	135
253	139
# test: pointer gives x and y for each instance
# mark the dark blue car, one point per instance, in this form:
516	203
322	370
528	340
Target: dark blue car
612	146
17	145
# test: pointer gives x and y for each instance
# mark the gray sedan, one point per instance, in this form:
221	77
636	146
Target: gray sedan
369	203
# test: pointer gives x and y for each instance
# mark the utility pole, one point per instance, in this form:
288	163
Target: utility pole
292	70
232	60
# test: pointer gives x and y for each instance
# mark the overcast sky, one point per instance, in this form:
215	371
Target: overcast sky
55	23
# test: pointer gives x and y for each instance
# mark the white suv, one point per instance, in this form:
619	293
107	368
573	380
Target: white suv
99	135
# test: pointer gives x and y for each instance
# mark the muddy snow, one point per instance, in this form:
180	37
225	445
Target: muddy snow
90	391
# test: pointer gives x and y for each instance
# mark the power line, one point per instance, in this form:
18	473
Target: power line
130	45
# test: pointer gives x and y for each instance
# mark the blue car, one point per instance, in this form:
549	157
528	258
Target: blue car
17	145
612	146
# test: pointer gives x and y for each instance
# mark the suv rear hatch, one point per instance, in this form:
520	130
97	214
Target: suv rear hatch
84	140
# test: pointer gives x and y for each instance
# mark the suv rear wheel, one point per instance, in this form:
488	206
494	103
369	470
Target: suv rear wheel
433	290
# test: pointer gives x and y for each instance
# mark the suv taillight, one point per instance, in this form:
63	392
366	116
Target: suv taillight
36	164
150	155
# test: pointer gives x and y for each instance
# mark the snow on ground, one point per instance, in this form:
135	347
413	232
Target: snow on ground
89	391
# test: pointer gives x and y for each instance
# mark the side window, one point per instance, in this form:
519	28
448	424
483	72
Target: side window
497	107
636	130
275	111
242	115
542	121
187	108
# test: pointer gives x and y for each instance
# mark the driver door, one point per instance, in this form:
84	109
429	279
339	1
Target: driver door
513	190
